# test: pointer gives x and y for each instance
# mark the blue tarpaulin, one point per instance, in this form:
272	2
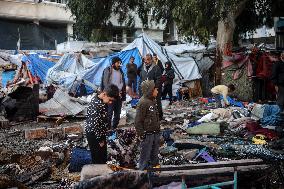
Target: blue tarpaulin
233	102
69	73
94	75
7	76
38	67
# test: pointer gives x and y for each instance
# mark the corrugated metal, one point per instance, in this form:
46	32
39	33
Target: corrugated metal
61	104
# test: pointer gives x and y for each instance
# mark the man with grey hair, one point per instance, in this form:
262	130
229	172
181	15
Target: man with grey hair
278	80
151	71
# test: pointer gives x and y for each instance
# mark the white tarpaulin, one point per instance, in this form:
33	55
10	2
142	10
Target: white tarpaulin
69	68
178	49
185	68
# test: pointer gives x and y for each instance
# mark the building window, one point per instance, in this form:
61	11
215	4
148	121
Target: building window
117	36
150	12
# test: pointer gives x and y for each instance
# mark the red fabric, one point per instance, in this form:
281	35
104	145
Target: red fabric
249	69
227	64
204	100
264	66
270	134
252	126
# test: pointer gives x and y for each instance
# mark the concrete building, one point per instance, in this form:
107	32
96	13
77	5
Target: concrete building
42	24
279	29
34	24
123	33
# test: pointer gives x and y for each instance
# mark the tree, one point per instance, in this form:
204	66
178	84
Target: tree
92	16
224	19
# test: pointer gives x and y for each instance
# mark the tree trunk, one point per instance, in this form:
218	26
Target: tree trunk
225	32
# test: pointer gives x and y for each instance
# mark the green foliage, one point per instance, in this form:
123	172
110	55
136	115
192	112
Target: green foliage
256	14
89	14
200	18
197	18
95	14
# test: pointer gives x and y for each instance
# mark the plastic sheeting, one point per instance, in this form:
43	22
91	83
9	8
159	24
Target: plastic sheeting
178	49
39	67
94	75
7	76
68	69
185	68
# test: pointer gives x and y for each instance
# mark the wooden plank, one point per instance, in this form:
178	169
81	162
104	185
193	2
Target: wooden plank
219	164
212	175
212	171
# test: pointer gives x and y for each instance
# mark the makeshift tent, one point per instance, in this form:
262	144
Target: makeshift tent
39	67
71	69
94	75
185	68
68	69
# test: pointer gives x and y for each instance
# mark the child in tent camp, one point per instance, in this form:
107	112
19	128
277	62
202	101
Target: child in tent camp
147	126
97	124
224	91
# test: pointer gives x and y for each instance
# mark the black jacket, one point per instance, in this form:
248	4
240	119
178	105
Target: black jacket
170	75
131	71
277	76
153	73
96	123
106	80
160	64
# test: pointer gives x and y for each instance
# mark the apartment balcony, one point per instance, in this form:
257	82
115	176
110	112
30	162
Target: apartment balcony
35	10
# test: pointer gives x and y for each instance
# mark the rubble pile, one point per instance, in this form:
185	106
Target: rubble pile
193	132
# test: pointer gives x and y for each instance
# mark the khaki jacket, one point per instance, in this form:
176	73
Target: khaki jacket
147	117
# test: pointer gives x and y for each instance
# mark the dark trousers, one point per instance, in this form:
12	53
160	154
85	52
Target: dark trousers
259	89
99	154
114	111
159	103
132	83
168	90
149	150
280	97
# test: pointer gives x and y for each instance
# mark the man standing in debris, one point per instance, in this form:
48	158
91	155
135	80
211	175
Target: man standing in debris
147	125
224	91
168	78
114	75
150	71
132	75
278	80
96	124
158	62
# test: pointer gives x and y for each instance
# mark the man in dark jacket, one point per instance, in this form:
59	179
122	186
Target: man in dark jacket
169	75
147	126
150	71
114	75
132	75
158	62
278	80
